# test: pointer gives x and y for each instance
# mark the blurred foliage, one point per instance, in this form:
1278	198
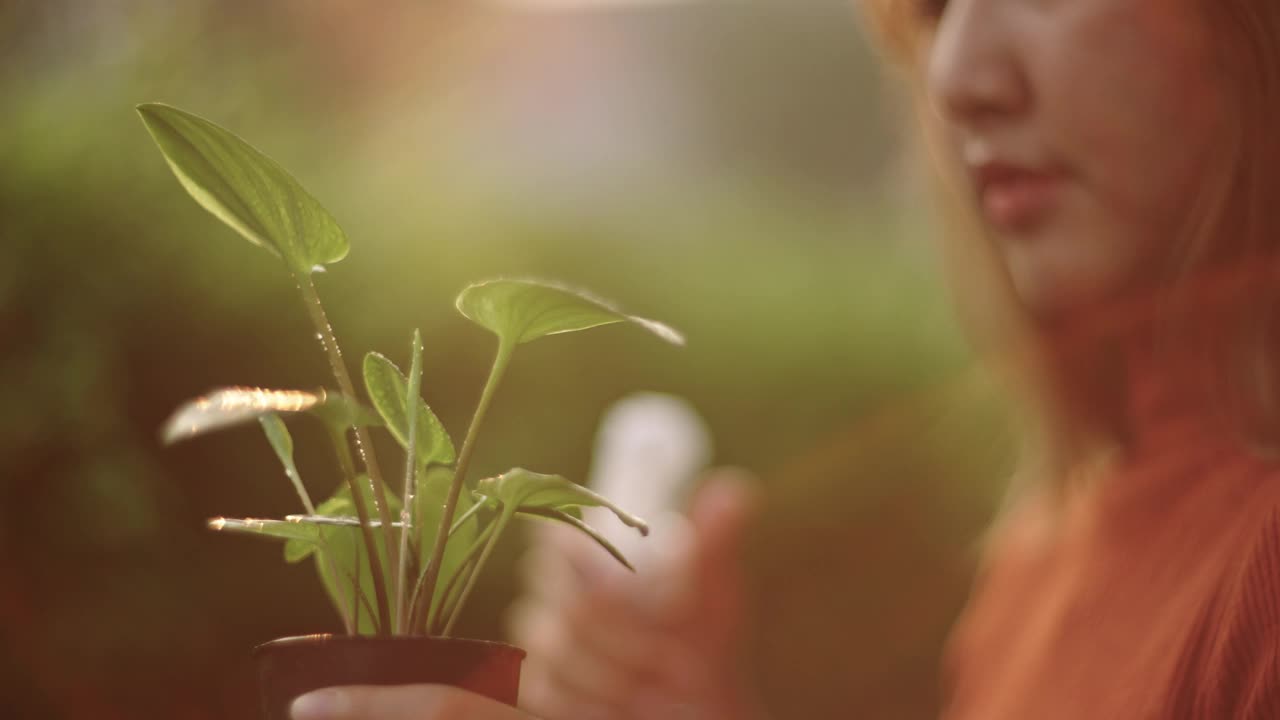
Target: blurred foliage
820	347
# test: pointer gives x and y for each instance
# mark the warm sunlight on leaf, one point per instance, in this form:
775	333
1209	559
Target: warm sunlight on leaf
245	189
231	406
387	388
522	310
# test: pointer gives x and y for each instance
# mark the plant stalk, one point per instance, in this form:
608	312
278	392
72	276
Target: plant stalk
500	362
419	613
301	489
364	444
457	524
348	623
322	552
499	525
357	595
433	611
413	390
338	436
348	618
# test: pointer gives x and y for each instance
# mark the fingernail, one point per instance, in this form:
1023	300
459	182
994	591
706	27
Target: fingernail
327	704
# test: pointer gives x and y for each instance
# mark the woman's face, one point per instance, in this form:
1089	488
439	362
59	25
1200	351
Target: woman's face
1084	127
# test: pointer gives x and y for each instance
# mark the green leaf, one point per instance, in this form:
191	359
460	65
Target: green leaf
338	506
350	521
245	189
524	490
388	389
335	521
297	535
282	443
413	393
232	406
280	439
344	412
296	549
346	550
428	501
518	311
567	518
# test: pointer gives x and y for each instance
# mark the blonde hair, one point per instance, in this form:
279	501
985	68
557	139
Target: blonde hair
1228	255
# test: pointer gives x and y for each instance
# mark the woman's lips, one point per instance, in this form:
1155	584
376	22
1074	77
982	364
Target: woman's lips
1014	197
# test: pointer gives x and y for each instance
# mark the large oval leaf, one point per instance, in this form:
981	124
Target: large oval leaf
518	311
245	189
388	388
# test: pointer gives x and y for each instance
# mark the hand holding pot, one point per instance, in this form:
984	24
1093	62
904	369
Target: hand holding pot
400	702
606	644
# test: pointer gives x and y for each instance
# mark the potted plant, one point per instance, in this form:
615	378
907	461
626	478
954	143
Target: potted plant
398	566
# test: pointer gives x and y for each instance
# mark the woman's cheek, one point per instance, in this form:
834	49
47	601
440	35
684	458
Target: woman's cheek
1083	256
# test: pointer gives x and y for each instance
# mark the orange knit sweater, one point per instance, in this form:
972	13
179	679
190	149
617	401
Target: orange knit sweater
1155	595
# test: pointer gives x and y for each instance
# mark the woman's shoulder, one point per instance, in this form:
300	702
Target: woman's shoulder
1252	585
1242	671
1021	529
1255	574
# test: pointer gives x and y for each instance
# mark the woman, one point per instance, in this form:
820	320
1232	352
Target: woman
1106	167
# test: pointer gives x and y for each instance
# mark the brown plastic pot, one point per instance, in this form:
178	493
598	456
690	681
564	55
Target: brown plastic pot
292	666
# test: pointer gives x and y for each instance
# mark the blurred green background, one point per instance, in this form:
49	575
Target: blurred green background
736	168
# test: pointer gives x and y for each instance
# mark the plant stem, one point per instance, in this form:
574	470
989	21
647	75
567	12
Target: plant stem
467	560
356	596
499	525
418	614
457	524
364	445
448	597
338	435
323	552
500	362
303	495
412	392
364	601
348	618
418	611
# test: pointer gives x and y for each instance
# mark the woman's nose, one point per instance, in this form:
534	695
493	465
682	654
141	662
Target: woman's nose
974	71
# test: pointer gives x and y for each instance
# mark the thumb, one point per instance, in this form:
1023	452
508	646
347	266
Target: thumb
722	510
721	513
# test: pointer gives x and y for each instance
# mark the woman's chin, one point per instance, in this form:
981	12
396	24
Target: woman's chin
1074	265
1052	293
